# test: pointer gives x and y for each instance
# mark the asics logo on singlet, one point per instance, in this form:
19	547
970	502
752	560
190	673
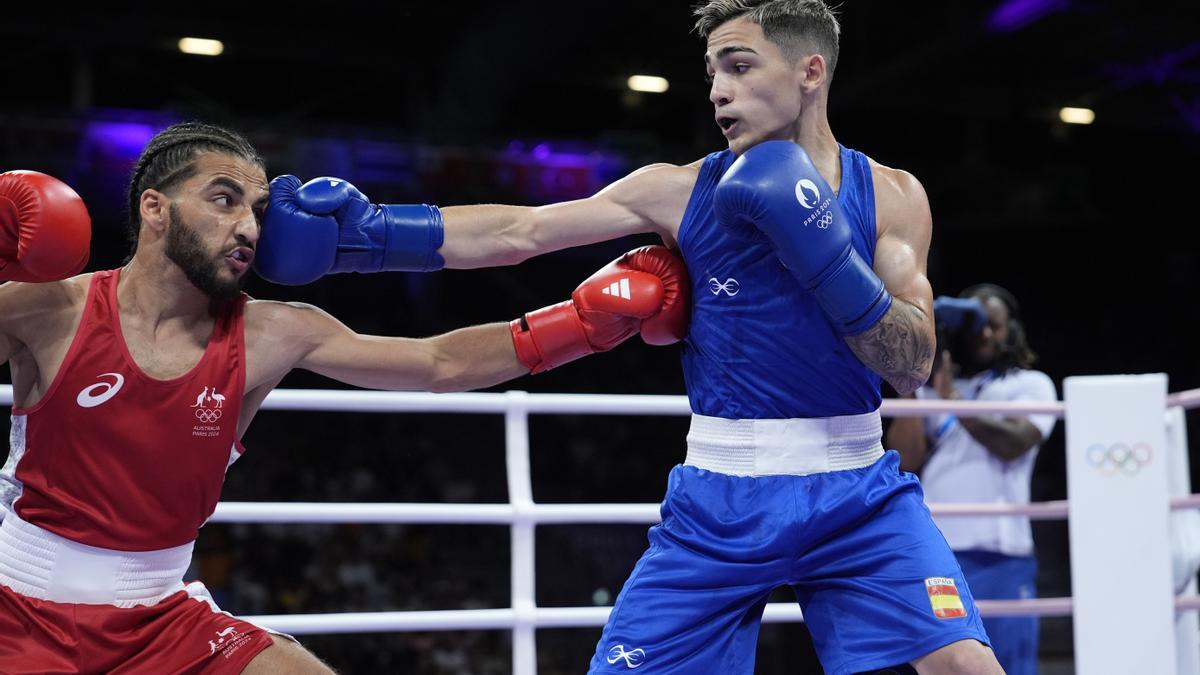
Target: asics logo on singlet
100	392
730	287
803	187
632	659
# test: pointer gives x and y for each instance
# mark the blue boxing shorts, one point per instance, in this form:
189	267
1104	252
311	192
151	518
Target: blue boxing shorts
876	581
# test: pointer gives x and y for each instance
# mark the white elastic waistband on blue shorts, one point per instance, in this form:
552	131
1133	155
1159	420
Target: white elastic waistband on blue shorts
782	447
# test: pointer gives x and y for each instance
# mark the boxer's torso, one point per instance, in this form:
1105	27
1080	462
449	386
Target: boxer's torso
759	346
116	444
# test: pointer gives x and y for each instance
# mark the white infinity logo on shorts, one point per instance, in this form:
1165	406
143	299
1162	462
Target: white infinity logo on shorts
632	659
805	185
100	392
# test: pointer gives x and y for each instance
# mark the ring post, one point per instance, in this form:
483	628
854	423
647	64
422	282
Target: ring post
520	494
1117	462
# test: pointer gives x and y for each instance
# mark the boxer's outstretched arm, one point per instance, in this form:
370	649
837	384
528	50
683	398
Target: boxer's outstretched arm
900	345
654	302
651	199
298	335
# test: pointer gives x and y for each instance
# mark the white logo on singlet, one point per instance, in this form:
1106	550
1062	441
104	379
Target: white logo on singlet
100	392
730	287
803	186
632	659
208	405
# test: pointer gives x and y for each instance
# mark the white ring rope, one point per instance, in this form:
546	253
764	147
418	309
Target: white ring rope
542	514
1188	400
524	513
355	400
579	617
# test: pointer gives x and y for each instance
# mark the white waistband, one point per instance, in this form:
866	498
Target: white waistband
773	447
40	564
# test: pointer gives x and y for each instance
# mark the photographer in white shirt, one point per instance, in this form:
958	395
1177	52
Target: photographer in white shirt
983	356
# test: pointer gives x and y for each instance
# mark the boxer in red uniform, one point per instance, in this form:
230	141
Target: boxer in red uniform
133	386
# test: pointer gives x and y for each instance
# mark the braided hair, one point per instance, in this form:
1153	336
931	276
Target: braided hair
170	158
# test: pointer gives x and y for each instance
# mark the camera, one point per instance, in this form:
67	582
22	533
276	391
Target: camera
957	342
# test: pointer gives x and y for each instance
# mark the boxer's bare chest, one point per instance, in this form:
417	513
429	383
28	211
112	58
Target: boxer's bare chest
166	352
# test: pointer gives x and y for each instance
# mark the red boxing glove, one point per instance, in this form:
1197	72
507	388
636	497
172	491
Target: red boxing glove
645	290
45	230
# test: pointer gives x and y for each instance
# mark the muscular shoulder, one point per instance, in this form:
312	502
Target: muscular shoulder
279	335
31	311
285	325
667	176
900	199
657	193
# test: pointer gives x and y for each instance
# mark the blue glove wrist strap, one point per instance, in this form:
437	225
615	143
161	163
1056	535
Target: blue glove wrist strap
853	296
415	232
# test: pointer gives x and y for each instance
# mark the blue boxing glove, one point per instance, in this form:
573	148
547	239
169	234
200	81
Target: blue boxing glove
775	187
957	314
327	226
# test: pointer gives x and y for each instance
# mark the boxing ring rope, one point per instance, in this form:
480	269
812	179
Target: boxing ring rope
523	515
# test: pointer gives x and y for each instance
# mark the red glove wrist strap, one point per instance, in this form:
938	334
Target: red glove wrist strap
550	337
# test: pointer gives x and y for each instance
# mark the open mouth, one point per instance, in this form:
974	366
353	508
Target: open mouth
240	258
726	123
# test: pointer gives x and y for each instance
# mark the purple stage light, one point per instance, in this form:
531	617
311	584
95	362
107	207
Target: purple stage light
119	140
1013	15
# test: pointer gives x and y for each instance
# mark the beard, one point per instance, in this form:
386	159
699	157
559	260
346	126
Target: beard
185	249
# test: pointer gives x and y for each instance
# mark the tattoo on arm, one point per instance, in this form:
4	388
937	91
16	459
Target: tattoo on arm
899	347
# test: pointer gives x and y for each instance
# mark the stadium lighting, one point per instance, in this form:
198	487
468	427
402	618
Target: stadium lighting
648	83
201	46
1077	115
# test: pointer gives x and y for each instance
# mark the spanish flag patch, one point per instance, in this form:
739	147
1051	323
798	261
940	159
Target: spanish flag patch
943	597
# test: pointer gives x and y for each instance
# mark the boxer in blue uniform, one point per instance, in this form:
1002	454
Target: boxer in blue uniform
807	262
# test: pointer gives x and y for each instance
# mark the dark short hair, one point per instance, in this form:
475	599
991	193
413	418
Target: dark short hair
170	159
799	27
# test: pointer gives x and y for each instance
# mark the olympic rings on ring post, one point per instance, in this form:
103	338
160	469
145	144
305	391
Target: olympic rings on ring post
1119	457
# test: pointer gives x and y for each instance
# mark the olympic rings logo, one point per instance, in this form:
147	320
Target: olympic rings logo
731	286
825	221
1120	458
208	414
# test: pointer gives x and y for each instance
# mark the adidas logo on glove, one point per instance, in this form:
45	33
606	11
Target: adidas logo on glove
619	289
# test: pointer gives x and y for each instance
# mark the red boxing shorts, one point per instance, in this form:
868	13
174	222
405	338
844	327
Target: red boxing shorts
183	633
70	608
